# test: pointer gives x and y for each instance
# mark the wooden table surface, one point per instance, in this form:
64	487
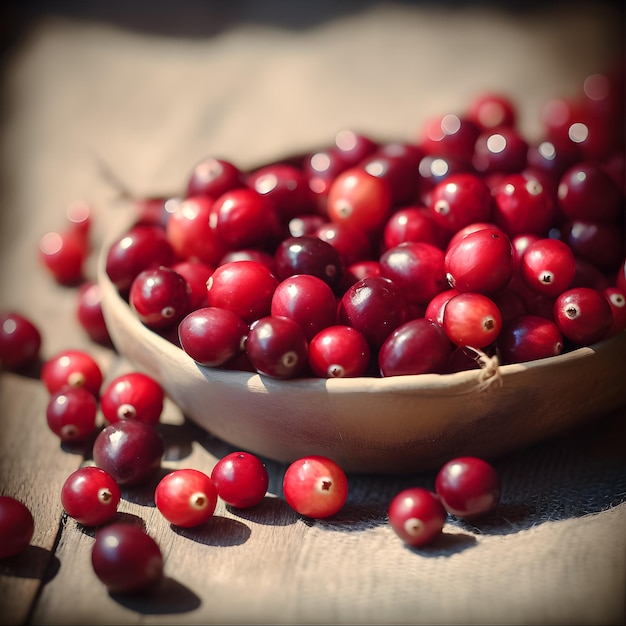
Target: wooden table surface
78	92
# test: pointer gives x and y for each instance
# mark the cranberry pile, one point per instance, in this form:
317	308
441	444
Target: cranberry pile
382	258
364	258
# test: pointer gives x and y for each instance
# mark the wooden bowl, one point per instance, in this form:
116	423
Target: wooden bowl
388	425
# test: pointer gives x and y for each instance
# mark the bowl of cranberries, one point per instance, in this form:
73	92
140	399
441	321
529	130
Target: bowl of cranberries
388	304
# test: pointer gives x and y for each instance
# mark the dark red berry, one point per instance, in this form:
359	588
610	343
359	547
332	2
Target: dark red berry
20	341
133	395
17	526
417	516
241	479
71	414
90	496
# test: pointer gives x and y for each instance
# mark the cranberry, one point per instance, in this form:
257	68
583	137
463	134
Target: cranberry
523	206
419	346
510	302
529	337
17	526
243	287
250	254
196	274
315	486
126	559
583	315
286	186
190	233
617	301
79	217
309	255
142	247
129	450
468	230
71	414
490	111
600	243
75	368
468	486
277	347
186	497
359	270
20	341
360	199
305	225
339	352
321	168
502	150
89	313
244	218
133	395
435	308
160	297
548	266
90	496
354	146
587	192
450	135
472	319
64	254
241	479
434	169
411	223
553	156
212	177
482	261
375	306
211	336
350	241
417	516
459	200
306	299
417	270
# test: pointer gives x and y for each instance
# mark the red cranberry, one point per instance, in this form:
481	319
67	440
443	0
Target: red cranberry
133	395
501	150
553	156
321	168
243	287
450	135
189	231
212	177
315	486
416	516
482	261
354	146
357	198
472	319
126	559
351	242
433	169
548	266
75	368
435	308
212	336
277	347
306	299
196	274
17	526
459	200
375	306
469	487
142	247
339	352
64	254
241	479
244	218
305	225
160	297
186	497
250	254
411	223
600	243
583	315
90	496
71	414
529	337
89	313
129	450
419	346
417	269
491	111
309	255
617	300
20	341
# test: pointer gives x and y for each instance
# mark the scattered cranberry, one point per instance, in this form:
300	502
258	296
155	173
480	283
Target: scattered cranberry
71	414
90	496
89	313
315	486
417	516
212	336
75	368
129	450
17	526
469	487
186	497
64	254
20	341
241	479
133	395
126	559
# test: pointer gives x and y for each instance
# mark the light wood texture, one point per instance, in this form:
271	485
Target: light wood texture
80	93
